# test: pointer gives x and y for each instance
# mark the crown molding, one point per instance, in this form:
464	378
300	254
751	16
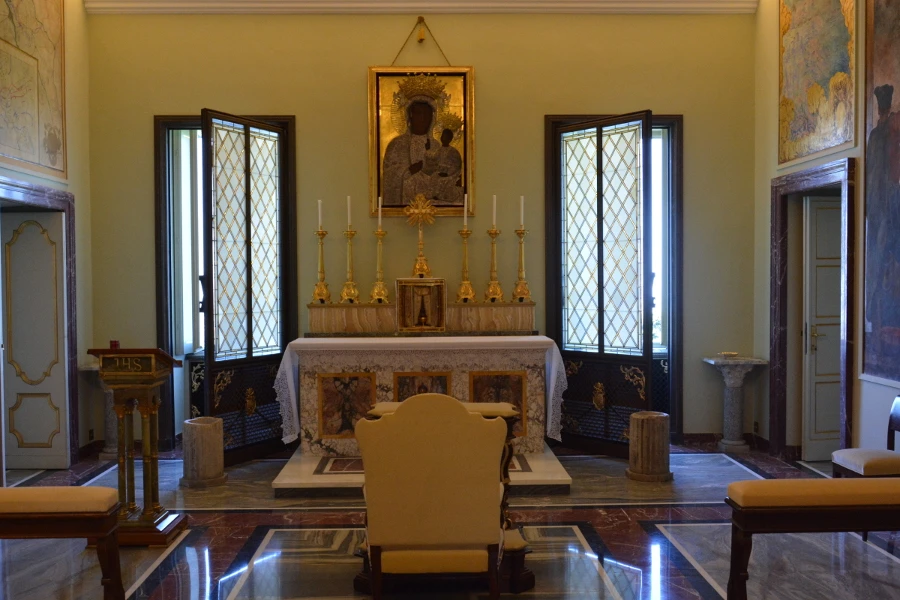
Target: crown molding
419	6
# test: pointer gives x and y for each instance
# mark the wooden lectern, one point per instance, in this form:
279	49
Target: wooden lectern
134	376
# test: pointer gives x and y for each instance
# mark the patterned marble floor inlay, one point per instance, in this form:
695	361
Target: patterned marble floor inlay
837	566
343	465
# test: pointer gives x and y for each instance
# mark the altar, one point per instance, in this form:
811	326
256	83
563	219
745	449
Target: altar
324	385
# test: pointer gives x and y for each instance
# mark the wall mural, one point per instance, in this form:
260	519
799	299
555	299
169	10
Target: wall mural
881	341
32	87
816	108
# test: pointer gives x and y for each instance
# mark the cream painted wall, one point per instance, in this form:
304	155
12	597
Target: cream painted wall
871	400
79	184
314	67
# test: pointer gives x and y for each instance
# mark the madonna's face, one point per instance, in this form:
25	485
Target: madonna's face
420	115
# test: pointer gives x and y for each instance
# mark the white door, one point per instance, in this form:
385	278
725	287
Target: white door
822	317
36	409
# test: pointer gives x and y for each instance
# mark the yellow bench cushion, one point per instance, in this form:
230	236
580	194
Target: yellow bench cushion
73	499
815	492
869	463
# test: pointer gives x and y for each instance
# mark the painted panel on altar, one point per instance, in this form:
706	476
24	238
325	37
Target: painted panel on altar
381	364
412	383
502	386
343	399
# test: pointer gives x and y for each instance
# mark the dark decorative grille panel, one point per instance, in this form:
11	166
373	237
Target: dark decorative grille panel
229	280
245	401
622	218
581	302
264	242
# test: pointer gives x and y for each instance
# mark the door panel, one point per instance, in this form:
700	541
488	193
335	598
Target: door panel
35	393
822	295
245	292
606	325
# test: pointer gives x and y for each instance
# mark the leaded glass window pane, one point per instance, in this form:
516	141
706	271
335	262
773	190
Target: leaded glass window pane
622	200
581	301
264	200
229	241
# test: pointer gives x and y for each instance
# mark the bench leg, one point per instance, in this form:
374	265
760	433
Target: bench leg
108	554
741	547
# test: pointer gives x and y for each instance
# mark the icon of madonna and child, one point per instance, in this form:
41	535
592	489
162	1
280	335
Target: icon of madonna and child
426	156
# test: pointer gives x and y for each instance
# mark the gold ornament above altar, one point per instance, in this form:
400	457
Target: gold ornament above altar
420	212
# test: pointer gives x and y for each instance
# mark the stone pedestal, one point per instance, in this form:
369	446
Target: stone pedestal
733	370
648	452
204	456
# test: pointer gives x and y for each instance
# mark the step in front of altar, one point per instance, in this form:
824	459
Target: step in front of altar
537	474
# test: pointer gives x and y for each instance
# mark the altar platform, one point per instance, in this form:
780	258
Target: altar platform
531	474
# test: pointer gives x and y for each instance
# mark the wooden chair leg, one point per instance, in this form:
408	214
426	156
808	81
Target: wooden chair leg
376	578
494	571
865	536
108	555
741	547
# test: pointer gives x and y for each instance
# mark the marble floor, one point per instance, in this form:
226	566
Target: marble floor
610	538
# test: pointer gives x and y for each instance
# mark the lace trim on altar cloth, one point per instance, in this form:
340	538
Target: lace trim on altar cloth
290	424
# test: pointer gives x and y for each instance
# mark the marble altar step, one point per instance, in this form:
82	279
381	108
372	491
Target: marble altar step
537	474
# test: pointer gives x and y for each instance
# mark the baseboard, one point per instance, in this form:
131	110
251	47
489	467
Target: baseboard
697	439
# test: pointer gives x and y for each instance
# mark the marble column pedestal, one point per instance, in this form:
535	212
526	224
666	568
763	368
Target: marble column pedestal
733	370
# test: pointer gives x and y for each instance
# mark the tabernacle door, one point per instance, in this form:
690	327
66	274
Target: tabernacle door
604	307
244	298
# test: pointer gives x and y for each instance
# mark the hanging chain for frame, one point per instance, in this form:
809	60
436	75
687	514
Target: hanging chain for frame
422	25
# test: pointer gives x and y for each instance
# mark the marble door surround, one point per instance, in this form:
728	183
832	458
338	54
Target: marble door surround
733	370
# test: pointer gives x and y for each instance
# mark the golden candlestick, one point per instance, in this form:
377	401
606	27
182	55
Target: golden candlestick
379	293
466	292
521	293
349	293
321	295
494	292
420	212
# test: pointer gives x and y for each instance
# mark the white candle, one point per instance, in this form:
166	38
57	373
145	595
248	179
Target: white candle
320	214
379	212
494	219
348	213
521	212
466	211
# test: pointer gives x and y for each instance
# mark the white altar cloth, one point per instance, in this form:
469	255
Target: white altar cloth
287	384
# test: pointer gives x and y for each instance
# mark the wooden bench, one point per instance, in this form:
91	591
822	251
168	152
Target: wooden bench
68	512
805	506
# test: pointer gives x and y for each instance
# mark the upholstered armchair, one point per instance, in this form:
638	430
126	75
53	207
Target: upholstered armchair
432	490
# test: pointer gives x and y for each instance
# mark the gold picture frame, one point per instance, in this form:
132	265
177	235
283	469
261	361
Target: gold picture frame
421	304
343	399
400	97
412	381
502	386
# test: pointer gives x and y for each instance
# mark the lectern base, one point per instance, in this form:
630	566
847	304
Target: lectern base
159	532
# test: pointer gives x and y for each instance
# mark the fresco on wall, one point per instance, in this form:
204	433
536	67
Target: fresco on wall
881	338
816	109
32	87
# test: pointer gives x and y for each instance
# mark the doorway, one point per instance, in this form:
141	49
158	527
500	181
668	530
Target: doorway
40	404
794	341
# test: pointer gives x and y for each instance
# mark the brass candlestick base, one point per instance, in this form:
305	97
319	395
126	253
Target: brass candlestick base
466	292
379	293
321	295
494	292
349	293
521	293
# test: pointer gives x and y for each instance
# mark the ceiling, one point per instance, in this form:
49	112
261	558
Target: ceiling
420	6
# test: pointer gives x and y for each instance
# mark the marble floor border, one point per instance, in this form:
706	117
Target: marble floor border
803	465
258	539
162	565
755	472
22	483
695	572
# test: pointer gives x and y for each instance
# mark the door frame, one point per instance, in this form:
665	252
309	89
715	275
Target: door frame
25	195
162	124
675	124
843	173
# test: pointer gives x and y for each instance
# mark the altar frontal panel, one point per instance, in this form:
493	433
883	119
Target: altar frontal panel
317	439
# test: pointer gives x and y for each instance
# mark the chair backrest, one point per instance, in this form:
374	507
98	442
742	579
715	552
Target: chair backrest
432	475
893	422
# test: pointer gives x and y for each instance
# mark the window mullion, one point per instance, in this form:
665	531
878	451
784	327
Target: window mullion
248	219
